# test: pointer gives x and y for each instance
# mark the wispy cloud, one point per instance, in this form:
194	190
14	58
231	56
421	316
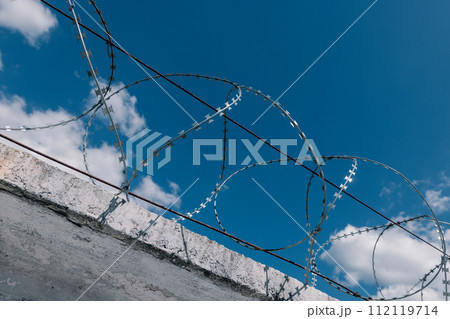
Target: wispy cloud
400	260
444	180
438	202
65	142
150	190
28	17
391	189
125	109
62	142
385	191
1	61
440	182
436	191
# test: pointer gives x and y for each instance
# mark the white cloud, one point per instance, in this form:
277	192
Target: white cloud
1	61
62	142
391	189
150	190
385	191
400	260
125	111
104	163
445	180
437	201
29	17
65	144
175	188
431	294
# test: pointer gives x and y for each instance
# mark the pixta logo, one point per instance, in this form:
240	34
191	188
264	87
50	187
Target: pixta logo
308	152
145	151
142	151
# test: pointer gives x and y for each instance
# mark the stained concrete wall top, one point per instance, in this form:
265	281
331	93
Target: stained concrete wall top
53	248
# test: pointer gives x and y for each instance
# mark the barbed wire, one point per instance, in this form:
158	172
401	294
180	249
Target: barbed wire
160	206
105	94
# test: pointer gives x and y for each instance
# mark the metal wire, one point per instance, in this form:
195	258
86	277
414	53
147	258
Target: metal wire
341	286
311	269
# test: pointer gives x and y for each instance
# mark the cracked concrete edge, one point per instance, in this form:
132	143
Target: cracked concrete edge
83	202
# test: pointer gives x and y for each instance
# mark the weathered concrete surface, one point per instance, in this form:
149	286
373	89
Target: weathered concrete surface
53	248
46	257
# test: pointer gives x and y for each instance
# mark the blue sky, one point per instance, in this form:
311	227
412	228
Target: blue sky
380	92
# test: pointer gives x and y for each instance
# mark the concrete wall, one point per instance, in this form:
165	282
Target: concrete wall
53	248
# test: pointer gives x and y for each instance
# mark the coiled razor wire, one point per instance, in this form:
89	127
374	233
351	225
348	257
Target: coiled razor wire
440	267
100	91
104	94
